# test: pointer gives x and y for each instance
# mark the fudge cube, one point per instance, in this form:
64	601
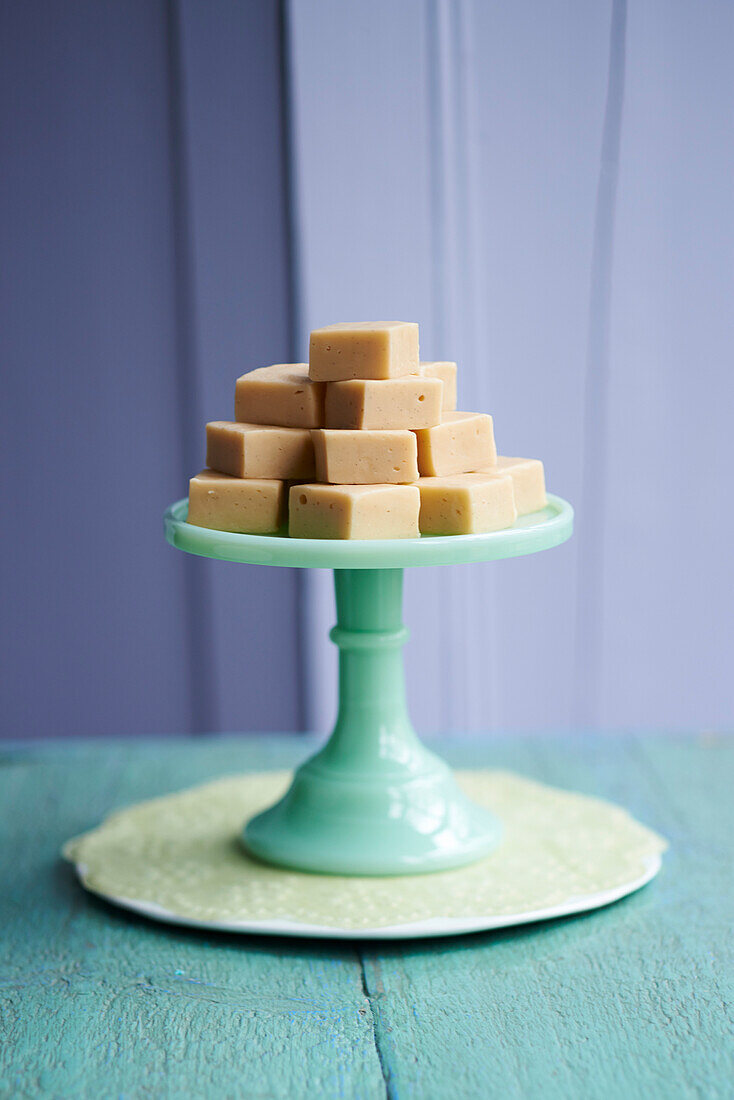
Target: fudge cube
409	402
354	511
365	457
461	443
253	506
254	450
528	479
282	394
466	504
447	373
363	349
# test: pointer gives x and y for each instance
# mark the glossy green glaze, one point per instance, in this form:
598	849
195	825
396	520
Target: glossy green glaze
539	531
373	801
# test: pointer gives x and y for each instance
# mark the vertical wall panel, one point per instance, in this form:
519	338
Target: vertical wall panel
144	266
667	601
362	155
94	616
234	163
458	188
539	81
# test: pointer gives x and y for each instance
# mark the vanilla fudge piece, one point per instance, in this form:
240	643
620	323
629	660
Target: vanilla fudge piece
251	506
447	373
465	504
282	394
354	511
254	450
410	402
528	480
462	442
363	349
365	457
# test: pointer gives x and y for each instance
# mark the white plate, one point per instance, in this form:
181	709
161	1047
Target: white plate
436	926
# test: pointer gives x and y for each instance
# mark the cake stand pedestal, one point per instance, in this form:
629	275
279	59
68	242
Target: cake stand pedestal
373	800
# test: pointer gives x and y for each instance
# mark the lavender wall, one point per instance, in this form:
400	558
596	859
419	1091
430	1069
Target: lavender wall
189	186
143	265
547	188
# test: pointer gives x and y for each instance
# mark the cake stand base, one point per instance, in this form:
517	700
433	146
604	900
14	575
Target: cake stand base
414	822
374	800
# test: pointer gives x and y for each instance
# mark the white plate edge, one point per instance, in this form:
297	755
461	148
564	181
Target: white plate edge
435	926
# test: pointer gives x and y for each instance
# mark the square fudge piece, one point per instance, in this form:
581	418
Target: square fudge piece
253	450
282	395
363	349
462	442
447	373
365	457
410	402
528	479
354	511
465	504
251	506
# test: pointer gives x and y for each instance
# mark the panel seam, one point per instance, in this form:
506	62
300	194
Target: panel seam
437	77
295	320
589	600
454	292
389	1091
200	641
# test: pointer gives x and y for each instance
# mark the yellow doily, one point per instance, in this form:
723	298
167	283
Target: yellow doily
179	858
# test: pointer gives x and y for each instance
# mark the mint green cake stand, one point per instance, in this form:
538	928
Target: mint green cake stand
374	800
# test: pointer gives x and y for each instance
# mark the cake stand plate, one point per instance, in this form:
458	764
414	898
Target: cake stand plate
537	531
179	859
374	800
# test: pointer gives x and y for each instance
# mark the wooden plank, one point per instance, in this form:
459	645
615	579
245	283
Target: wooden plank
631	1000
240	317
95	631
97	1003
665	598
627	1001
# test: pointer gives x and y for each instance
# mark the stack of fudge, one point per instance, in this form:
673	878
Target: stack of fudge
362	442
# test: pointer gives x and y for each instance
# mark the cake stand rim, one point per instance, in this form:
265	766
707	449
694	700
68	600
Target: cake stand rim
532	533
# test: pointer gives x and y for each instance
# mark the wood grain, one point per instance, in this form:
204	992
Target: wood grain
631	1000
99	1003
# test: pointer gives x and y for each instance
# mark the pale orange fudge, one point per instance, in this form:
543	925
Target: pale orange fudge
252	506
409	402
461	443
282	394
447	373
528	479
354	511
365	457
363	349
465	504
255	450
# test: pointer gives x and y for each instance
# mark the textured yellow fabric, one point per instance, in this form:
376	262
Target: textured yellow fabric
182	853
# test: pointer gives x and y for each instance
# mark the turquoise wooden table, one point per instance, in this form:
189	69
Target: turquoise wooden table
629	1001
